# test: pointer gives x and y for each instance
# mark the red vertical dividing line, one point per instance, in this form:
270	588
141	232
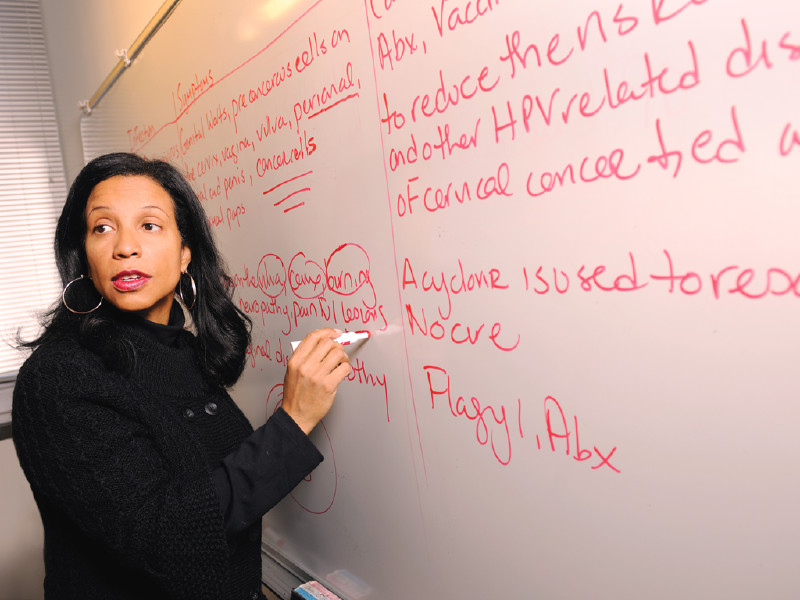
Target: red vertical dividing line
394	249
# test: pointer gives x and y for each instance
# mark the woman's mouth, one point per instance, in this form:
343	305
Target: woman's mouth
127	281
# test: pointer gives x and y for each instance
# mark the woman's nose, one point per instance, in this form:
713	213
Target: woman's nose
126	244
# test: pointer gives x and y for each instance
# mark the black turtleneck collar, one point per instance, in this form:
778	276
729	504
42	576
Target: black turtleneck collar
168	334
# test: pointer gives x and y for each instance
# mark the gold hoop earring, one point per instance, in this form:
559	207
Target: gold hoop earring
194	290
64	297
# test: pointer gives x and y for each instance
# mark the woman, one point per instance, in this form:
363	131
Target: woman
150	482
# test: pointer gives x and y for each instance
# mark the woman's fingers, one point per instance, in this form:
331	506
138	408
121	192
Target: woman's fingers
314	372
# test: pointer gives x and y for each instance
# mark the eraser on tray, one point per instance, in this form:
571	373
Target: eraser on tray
313	590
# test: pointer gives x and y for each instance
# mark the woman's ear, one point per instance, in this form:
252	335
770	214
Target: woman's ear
186	257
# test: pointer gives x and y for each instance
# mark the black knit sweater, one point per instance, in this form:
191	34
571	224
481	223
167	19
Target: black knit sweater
121	468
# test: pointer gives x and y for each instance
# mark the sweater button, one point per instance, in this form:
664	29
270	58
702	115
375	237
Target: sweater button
254	596
188	413
211	408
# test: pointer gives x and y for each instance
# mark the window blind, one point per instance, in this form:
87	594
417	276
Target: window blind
32	183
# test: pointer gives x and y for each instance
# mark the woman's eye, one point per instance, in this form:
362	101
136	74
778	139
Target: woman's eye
151	227
100	228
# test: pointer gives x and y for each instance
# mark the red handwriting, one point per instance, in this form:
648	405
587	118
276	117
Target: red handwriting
215	220
448	285
401	46
184	98
589	171
316	48
245	280
544	279
336	290
497	425
451	17
732	280
305	147
491	423
596	26
330	94
271	275
269	308
447	144
556	55
379	8
271	125
248	97
209	191
140	135
673	8
291	313
362	376
347	270
216	116
338	36
558	430
587	104
267	350
745	59
789	139
729	280
205	164
393	118
449	95
188	139
372	316
304	59
457	332
184	95
232	182
726	151
306	277
454	194
590	279
230	215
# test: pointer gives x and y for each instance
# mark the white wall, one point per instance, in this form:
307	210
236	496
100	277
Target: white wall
81	36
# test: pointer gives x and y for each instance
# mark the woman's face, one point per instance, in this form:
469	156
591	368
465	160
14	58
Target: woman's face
133	245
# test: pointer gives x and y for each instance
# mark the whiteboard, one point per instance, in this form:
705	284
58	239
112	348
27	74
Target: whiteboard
572	227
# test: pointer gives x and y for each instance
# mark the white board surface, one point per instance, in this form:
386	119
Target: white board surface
572	227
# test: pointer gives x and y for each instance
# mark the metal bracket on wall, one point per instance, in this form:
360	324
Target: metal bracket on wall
126	57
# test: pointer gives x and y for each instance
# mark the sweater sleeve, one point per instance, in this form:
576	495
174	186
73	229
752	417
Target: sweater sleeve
103	471
264	469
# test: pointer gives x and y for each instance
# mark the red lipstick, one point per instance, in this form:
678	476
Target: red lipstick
127	281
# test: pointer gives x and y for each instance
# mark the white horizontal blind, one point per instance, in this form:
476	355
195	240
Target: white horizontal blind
32	185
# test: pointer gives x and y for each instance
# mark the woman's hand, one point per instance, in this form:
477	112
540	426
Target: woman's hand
314	372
